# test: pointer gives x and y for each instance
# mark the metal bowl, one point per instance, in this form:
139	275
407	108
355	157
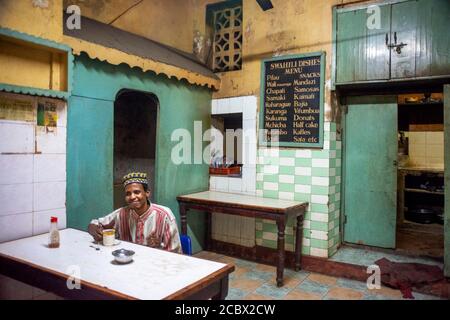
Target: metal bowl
123	255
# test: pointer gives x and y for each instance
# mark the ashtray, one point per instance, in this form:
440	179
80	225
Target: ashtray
123	255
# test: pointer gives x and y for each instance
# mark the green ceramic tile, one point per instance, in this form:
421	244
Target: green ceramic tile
270	178
269	243
287	170
259	185
303	162
286	187
302	197
268	227
306	180
321	208
287	153
306	250
258	234
333	126
319	190
321	244
320	154
332	145
270	194
318	225
326	135
320	172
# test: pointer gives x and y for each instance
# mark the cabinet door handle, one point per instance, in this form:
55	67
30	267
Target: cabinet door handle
395	37
387	40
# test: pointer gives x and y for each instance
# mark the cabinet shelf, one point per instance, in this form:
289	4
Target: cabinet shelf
423	191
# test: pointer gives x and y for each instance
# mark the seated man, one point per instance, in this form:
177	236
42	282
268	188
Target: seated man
140	221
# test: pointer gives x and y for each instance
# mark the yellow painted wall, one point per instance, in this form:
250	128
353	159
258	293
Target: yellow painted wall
291	27
23	16
165	21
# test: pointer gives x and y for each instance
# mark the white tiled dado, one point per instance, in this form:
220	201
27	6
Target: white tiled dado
15	199
16	168
16	137
16	226
49	167
49	195
41	220
51	142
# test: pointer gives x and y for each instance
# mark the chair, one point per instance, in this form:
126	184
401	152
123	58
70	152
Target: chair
186	244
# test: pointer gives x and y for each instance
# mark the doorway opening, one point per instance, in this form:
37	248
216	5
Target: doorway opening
135	132
420	193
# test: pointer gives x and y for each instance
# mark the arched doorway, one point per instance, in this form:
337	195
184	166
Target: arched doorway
135	130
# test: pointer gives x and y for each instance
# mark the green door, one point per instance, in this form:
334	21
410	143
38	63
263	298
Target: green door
371	171
361	52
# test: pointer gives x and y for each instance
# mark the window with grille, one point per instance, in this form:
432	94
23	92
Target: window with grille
227	47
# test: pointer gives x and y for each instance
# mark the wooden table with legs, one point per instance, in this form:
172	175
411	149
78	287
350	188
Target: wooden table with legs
248	206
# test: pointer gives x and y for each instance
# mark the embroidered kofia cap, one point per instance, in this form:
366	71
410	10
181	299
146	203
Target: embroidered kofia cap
135	177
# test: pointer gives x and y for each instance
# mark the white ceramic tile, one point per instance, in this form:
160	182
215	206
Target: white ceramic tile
327	126
333	154
249	179
338	145
436	138
319	199
270	186
249	133
303	154
249	124
249	154
250	106
286	195
321	163
337	179
338	163
321	181
307	224
259	176
333	136
49	167
49	195
52	142
303	171
16	226
41	220
417	137
270	169
259	193
316	252
287	161
331	207
332	172
16	168
320	235
235	185
236	105
303	188
283	178
16	198
269	236
435	151
321	217
16	137
332	189
326	145
222	184
212	182
306	242
213	106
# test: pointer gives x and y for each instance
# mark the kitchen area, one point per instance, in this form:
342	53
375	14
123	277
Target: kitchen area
420	197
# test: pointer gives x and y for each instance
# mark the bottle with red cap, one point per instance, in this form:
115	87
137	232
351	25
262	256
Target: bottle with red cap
53	240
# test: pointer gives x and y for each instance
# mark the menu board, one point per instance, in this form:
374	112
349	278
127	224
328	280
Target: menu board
292	100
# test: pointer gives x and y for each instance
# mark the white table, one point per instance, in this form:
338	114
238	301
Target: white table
153	274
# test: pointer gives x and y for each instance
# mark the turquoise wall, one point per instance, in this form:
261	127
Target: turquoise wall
90	139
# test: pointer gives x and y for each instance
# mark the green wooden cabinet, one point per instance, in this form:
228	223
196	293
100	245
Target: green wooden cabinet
402	40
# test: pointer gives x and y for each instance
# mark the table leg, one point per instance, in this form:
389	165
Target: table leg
281	254
183	217
208	231
298	242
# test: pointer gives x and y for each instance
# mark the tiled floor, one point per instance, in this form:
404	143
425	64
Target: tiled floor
253	281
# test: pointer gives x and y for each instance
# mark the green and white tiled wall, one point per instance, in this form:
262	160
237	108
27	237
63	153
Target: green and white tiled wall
312	175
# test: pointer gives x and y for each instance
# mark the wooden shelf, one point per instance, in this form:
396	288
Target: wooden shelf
424	191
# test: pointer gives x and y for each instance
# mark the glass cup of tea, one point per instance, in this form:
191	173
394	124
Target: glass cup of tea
109	236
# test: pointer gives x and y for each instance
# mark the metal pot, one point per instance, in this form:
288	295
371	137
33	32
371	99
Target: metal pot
421	215
123	255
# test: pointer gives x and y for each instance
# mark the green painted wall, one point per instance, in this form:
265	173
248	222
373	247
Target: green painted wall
90	139
447	179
